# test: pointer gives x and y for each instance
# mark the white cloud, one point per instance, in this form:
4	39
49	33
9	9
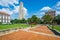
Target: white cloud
25	11
42	11
57	8
6	10
45	8
7	2
39	14
16	9
58	4
57	12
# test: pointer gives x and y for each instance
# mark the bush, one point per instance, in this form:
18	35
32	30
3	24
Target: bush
18	21
0	22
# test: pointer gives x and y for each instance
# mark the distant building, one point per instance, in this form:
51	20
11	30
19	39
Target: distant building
4	18
21	11
51	13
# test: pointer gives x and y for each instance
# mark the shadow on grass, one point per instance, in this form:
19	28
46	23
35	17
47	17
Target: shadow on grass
55	32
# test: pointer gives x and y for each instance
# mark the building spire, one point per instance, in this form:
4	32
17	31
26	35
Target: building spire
21	4
21	11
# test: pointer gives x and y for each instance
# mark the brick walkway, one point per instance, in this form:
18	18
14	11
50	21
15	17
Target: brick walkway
25	35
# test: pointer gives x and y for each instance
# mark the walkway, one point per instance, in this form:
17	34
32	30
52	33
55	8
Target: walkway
43	29
38	33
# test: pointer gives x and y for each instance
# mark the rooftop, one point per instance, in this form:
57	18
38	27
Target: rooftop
4	13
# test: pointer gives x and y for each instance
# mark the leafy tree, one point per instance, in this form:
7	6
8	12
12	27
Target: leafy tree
47	19
57	19
29	20
23	21
34	20
18	21
12	21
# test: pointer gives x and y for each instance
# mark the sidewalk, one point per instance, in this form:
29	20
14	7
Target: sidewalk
43	29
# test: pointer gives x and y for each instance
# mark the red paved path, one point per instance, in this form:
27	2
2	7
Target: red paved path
23	35
43	29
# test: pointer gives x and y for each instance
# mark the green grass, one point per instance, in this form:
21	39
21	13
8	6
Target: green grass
56	27
8	26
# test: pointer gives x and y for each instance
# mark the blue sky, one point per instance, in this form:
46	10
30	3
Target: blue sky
33	7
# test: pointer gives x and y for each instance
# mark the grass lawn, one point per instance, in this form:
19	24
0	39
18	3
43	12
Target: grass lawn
8	26
56	27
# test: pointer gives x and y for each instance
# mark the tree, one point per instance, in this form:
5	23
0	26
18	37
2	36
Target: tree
29	20
18	21
47	19
23	21
12	21
33	19
57	19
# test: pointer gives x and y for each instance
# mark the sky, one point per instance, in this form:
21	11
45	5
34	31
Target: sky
31	7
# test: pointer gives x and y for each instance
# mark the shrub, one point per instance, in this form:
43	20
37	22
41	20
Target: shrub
0	22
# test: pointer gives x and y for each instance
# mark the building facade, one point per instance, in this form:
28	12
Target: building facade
4	18
21	11
51	13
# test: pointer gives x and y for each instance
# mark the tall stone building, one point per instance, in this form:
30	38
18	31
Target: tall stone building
51	13
21	11
4	18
